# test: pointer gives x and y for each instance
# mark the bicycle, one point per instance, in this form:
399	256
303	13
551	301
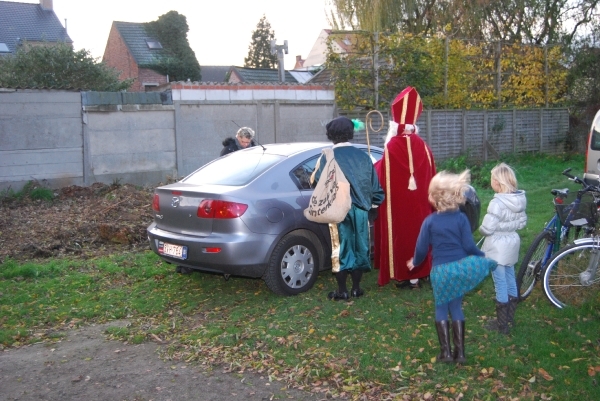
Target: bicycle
571	277
557	232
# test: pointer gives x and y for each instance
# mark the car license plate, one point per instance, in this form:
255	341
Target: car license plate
176	251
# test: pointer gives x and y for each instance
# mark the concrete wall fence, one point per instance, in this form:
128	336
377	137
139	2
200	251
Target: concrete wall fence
61	138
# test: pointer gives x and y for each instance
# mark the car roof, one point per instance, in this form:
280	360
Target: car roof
292	148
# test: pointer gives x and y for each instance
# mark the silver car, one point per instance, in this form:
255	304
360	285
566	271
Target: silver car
242	215
592	156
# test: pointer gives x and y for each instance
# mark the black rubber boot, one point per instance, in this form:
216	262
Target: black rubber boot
458	334
443	332
512	307
502	316
500	324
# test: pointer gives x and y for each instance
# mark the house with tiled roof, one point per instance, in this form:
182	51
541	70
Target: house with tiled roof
34	24
323	77
129	49
215	73
341	43
246	75
239	75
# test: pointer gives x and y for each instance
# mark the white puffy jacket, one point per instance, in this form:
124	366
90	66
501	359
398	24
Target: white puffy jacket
505	215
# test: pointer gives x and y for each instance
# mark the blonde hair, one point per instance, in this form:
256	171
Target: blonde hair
506	178
447	190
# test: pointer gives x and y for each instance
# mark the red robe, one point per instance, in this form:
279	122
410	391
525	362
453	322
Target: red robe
403	211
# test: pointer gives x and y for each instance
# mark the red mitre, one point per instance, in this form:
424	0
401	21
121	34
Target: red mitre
406	108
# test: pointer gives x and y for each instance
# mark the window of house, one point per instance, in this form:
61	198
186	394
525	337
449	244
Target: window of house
148	86
4	48
153	44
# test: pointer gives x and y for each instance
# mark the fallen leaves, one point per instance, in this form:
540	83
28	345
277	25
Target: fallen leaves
592	370
80	221
156	338
545	374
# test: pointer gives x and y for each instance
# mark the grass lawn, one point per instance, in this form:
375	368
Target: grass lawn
381	346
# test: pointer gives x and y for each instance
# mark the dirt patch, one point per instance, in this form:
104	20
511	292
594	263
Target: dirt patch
84	366
87	222
79	221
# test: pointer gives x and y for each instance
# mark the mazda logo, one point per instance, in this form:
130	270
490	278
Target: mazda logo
175	201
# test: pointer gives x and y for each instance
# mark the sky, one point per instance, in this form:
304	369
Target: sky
220	31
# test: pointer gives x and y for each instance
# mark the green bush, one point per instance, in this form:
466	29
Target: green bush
59	67
32	190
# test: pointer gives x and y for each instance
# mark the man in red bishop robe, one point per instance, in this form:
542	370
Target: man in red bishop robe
404	173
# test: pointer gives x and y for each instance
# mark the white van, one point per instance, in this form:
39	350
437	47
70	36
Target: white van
592	155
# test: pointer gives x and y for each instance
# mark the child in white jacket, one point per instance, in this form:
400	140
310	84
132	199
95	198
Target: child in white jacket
505	215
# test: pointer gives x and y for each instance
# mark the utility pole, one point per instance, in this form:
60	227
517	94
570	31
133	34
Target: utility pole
279	49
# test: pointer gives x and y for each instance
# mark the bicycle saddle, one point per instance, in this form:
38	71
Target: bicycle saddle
561	192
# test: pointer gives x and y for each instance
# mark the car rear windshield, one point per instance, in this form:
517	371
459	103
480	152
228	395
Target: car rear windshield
236	169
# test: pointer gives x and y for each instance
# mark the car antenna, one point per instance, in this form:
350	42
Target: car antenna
254	138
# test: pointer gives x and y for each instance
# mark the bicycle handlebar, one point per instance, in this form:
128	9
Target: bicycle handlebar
586	187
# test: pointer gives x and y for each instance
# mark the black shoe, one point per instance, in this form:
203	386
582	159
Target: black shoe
358	293
338	296
409	285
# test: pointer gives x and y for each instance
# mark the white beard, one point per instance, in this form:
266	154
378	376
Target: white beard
392	132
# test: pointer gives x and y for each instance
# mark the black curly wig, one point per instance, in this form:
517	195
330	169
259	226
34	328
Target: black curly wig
340	129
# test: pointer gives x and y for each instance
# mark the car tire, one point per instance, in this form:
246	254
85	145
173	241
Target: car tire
293	266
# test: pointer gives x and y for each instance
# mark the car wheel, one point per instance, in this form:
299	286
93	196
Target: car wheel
293	266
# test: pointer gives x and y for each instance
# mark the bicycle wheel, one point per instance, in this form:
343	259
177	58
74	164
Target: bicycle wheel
535	258
572	277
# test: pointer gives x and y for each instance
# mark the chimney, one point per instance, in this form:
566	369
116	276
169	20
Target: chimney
299	63
46	4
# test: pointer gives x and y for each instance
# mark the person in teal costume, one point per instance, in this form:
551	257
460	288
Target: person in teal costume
351	244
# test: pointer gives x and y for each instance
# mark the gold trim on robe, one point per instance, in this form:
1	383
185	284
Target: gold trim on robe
335	247
388	206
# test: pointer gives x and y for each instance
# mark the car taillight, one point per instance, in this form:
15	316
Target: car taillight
218	209
587	149
156	203
212	250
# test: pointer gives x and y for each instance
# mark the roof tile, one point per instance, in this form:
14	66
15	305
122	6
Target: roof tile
135	36
262	75
29	22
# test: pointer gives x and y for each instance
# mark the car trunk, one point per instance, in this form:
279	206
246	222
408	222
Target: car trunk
178	212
